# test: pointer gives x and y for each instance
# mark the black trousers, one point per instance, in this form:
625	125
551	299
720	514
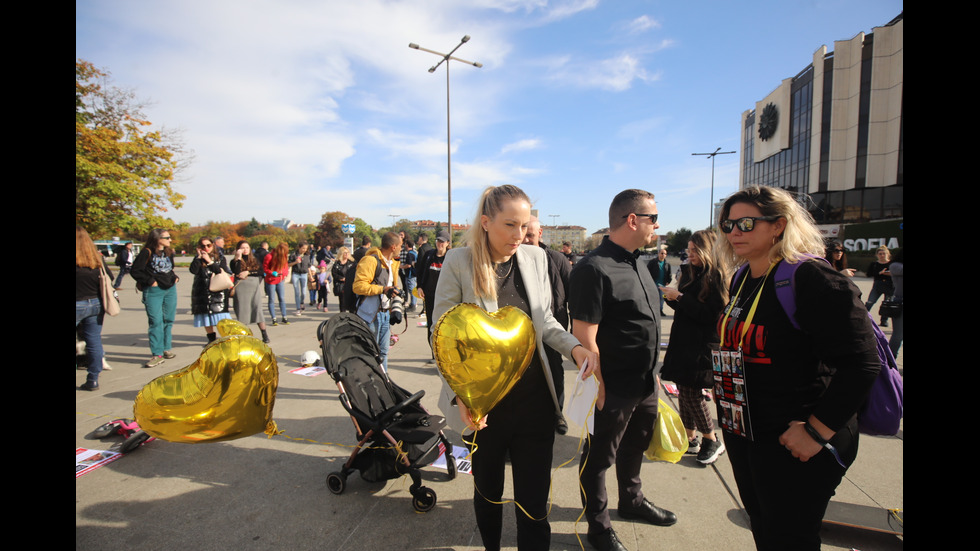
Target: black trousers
786	498
623	429
529	437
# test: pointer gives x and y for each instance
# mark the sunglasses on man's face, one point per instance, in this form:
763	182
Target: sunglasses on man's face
652	217
746	223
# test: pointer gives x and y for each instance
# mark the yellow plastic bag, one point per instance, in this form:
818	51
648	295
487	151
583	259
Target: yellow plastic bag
669	442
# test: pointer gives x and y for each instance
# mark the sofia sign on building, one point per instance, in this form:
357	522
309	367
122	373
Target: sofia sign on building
870	236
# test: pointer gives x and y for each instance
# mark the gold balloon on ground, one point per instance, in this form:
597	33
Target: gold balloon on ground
228	393
483	355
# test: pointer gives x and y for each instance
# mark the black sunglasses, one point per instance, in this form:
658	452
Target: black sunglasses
745	224
652	217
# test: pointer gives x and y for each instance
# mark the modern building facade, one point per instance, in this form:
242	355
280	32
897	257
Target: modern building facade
833	134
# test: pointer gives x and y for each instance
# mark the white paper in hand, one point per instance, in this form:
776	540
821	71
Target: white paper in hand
581	403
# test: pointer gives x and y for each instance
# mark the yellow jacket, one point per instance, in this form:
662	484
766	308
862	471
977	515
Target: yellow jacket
364	283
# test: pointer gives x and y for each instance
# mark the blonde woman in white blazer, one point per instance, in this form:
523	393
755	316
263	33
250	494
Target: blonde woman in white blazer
493	271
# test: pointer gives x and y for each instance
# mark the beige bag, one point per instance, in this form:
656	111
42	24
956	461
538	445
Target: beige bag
109	302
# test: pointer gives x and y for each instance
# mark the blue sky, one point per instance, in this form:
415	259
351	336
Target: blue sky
296	108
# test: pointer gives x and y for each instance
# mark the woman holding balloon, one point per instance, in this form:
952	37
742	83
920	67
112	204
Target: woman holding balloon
495	270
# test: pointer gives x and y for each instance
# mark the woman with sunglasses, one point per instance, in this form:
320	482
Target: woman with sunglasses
248	287
208	307
837	258
153	271
802	387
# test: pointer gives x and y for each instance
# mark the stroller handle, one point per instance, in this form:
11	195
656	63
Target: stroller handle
397	409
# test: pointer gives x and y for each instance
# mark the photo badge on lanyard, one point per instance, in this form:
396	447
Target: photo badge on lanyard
728	367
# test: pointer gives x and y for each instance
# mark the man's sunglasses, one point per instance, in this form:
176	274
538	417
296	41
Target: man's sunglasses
745	224
652	217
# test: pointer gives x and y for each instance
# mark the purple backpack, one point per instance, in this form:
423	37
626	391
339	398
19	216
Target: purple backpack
881	414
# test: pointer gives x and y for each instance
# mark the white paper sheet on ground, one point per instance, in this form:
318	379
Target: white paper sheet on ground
463	464
581	403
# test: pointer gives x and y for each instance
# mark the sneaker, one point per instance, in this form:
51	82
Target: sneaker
694	446
88	386
285	321
274	322
299	312
154	361
710	450
169	355
105	365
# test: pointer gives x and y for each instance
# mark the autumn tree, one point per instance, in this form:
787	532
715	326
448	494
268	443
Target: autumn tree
124	170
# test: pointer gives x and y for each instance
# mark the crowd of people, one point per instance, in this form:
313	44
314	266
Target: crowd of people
795	437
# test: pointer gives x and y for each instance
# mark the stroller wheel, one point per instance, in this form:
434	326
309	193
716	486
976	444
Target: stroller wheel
105	430
136	440
424	501
336	483
450	466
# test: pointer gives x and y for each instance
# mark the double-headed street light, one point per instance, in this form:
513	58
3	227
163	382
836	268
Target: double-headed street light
711	206
446	58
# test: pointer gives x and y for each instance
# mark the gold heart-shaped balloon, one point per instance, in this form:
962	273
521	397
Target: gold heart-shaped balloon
227	393
481	355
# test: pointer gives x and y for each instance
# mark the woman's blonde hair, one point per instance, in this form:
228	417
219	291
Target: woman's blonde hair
341	252
799	238
491	203
715	279
86	254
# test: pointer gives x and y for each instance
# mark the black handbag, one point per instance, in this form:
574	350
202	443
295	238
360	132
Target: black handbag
890	308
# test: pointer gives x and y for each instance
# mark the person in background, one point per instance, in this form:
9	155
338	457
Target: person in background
339	272
897	269
430	266
124	259
276	267
660	270
838	258
299	265
89	311
208	307
701	293
248	282
881	284
154	273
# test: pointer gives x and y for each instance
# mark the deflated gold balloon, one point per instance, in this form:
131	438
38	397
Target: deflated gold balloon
229	326
227	393
481	355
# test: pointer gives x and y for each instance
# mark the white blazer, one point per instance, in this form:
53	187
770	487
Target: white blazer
456	286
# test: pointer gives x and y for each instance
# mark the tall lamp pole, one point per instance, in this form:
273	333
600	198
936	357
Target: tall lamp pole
711	206
449	170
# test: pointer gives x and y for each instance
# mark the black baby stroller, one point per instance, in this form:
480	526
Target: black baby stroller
395	434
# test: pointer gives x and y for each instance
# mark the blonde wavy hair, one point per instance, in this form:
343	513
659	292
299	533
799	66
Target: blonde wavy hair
715	279
800	237
491	203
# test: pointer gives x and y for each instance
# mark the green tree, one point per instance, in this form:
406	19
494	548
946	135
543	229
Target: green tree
124	171
677	241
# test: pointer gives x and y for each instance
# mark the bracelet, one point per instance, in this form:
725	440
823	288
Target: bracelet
815	435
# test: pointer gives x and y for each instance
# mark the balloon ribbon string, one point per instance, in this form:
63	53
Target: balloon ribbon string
583	438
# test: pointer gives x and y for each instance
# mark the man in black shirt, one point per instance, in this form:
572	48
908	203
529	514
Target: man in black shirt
614	306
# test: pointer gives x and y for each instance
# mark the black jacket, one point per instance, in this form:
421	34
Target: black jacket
692	335
203	301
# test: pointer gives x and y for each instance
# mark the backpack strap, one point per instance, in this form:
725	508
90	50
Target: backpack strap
785	285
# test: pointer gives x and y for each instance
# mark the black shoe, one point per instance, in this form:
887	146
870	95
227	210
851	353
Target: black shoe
561	426
884	323
284	321
606	541
88	386
710	450
650	513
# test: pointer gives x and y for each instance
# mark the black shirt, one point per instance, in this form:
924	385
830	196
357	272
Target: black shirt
608	288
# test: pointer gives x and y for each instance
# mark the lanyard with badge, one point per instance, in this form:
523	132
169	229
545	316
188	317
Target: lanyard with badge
729	367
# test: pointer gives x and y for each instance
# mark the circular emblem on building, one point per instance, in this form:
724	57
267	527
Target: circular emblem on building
768	121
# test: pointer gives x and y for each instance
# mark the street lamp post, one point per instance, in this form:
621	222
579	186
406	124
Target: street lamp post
446	58
711	205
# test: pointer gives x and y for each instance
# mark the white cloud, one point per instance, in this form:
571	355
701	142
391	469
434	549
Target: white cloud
642	23
614	74
522	145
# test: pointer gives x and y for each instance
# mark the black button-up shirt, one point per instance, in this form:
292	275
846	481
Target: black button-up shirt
610	289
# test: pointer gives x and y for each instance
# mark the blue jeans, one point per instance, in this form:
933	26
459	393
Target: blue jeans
409	287
273	290
161	309
381	327
88	323
123	270
299	285
898	333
